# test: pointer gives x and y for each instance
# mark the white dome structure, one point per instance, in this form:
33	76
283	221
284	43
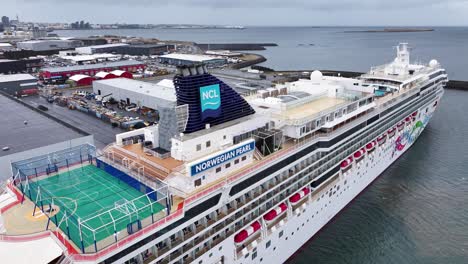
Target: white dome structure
316	76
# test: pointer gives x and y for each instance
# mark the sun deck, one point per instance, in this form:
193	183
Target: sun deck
313	107
168	163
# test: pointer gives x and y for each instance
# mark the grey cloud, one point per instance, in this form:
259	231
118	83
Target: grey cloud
245	12
264	4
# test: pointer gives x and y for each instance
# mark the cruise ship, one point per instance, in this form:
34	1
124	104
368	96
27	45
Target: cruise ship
223	178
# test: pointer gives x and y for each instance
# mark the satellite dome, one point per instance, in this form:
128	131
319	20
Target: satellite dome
316	76
433	63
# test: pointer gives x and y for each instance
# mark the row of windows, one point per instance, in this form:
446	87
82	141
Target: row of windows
207	144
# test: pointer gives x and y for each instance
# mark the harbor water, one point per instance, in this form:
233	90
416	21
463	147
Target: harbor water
416	211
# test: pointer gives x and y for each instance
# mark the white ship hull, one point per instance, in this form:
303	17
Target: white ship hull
300	228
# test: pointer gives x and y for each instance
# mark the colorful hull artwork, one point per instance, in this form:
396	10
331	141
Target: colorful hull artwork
411	135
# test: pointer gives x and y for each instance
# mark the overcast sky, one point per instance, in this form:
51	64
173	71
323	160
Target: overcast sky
244	12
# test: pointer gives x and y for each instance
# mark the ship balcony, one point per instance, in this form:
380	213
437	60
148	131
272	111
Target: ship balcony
250	243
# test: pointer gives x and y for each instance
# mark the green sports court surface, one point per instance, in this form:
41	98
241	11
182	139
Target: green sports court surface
87	192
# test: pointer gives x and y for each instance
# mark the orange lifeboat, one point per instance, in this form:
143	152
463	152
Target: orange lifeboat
299	195
244	234
272	214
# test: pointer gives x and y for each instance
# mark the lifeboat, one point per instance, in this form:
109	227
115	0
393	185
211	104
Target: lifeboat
371	146
391	132
346	163
244	234
299	195
272	214
381	140
435	104
414	114
401	125
358	155
408	119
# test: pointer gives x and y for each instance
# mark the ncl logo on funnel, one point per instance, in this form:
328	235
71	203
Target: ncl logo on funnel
210	99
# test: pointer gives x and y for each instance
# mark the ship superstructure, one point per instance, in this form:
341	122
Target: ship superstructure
248	179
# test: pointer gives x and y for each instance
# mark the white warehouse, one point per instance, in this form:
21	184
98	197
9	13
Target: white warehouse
161	98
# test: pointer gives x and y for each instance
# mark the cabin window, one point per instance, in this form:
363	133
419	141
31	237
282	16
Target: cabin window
236	161
208	144
198	147
218	169
243	158
228	165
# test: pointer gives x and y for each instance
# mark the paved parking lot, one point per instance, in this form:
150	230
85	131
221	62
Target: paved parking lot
103	132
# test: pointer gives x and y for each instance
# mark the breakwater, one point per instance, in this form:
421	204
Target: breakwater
235	46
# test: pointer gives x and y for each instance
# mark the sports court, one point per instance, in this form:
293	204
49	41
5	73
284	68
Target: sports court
92	200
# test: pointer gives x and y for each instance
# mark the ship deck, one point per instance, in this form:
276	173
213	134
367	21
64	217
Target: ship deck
313	107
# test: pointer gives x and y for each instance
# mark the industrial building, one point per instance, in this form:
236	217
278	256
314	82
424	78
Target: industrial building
104	76
48	44
18	84
149	95
122	74
87	58
91	69
107	48
178	59
91	41
20	66
144	49
81	80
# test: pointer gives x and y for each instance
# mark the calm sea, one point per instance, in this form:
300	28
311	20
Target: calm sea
417	211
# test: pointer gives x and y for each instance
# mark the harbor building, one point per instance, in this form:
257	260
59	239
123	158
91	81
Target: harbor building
20	66
107	48
149	95
18	84
144	49
49	44
81	80
91	69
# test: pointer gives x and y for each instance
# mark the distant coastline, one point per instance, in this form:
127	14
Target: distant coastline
137	26
391	30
